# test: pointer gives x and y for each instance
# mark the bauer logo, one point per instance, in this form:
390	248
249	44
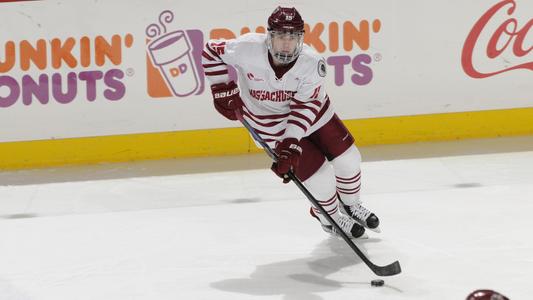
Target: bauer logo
63	69
498	42
173	59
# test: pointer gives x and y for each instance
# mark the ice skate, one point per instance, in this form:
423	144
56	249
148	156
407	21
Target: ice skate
362	215
348	225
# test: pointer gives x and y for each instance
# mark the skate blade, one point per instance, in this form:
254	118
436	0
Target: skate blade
364	236
376	230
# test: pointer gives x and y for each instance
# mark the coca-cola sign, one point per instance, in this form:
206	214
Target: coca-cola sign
496	37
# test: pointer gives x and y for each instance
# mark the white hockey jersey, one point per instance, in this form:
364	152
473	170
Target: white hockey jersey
295	105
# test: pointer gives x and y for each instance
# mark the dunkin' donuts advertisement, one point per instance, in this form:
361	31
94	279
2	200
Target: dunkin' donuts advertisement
75	69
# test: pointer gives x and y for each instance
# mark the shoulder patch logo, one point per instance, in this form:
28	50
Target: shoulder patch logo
322	68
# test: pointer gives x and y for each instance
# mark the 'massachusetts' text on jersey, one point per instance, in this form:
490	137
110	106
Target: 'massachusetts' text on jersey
294	105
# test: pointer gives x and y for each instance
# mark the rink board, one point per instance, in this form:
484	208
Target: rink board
116	91
18	155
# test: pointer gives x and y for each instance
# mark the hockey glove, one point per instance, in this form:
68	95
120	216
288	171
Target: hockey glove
226	99
289	152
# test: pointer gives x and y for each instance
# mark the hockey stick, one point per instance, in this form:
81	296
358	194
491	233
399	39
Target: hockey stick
388	270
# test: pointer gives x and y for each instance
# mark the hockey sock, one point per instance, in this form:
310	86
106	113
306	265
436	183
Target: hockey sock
322	186
347	168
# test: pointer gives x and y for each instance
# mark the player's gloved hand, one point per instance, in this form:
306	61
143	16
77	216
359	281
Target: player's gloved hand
226	99
289	152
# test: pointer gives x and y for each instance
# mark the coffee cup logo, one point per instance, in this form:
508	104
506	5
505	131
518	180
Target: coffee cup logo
172	55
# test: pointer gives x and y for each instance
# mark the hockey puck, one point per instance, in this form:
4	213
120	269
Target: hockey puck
377	282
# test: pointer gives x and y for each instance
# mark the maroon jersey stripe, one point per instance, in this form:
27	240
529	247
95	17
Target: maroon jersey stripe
279	133
206	56
291	121
213	65
315	102
298	106
270	117
270	124
316	93
208	47
322	111
300	116
270	140
214	73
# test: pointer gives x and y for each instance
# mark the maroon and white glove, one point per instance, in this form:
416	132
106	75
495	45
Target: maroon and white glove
226	99
289	152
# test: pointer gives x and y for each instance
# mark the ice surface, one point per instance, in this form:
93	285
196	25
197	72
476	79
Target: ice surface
173	230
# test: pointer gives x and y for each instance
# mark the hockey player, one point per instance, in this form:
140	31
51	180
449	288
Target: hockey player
282	95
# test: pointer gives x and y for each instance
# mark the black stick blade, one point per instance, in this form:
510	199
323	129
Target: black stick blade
388	270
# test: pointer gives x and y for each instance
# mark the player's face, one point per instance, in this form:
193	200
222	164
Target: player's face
285	42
